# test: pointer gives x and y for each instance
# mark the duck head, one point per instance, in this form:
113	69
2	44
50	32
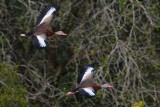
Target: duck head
106	85
61	33
71	93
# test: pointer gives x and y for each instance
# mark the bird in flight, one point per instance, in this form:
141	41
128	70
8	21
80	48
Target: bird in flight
86	86
42	29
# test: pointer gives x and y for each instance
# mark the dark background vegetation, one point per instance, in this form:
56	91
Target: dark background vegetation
122	38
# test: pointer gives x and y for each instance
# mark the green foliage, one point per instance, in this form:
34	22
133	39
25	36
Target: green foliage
122	2
140	104
12	92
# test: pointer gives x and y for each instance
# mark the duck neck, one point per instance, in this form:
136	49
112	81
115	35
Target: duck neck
96	87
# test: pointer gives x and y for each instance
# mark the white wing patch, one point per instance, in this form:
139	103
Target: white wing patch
48	14
89	91
87	73
41	41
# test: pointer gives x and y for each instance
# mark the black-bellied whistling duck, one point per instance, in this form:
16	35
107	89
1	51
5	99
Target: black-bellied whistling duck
86	85
42	29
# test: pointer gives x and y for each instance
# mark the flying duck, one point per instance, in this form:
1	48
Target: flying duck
42	29
86	86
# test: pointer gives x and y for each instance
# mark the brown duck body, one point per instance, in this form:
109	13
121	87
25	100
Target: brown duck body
43	29
89	83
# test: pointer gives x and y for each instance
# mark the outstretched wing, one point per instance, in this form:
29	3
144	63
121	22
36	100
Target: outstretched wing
88	92
39	42
46	14
86	74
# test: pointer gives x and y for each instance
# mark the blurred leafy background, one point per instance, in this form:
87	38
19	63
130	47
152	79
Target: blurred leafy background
122	38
